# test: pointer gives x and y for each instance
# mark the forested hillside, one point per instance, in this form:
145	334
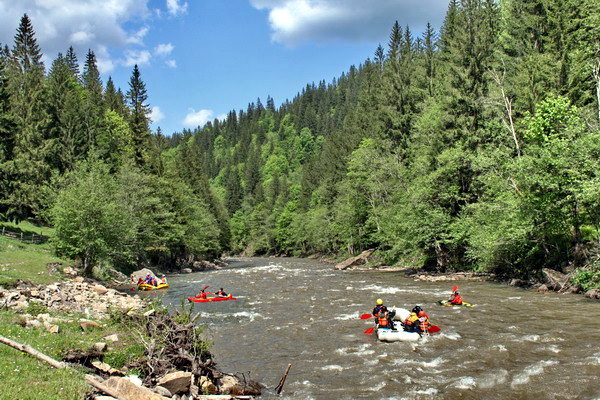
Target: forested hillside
476	147
79	155
473	148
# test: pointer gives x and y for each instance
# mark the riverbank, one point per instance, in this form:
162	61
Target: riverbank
550	280
131	346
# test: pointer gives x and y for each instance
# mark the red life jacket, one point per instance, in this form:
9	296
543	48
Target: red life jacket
382	321
457	299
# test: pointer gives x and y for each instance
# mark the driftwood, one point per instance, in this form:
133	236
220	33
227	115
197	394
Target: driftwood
30	350
279	387
91	379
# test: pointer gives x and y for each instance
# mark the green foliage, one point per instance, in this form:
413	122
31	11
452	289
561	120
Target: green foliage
587	278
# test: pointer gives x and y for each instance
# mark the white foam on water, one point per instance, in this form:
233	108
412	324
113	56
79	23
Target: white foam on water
342	350
553	348
514	298
377	387
333	368
346	317
385	290
451	335
251	316
428	391
493	379
593	359
433	363
464	382
528	338
349	288
371	361
355	305
402	361
500	347
532	370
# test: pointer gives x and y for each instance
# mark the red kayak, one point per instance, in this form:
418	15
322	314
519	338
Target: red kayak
209	299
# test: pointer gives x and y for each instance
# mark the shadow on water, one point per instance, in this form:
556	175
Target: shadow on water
514	344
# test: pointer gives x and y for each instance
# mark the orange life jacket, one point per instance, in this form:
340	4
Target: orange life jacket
424	324
457	299
382	321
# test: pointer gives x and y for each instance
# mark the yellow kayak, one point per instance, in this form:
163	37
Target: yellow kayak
145	286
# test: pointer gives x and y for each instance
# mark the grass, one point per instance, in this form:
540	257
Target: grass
26	377
26	261
23	376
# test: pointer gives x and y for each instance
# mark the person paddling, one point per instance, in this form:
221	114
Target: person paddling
202	294
221	293
382	309
456	298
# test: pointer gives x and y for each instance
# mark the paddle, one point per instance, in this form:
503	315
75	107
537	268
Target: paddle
366	316
369	331
434	329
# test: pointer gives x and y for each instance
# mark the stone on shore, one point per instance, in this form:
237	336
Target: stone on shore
141	274
207	387
128	390
554	280
593	294
360	259
100	289
176	382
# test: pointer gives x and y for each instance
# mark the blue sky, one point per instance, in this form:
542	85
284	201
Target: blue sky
202	58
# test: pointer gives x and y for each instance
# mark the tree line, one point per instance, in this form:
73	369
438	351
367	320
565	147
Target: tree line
79	154
473	148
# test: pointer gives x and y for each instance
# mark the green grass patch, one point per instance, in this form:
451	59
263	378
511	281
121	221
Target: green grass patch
25	377
26	261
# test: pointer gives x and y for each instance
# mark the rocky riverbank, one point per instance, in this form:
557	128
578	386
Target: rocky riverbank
550	279
175	361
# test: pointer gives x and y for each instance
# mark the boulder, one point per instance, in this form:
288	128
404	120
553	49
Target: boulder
176	382
360	259
207	387
99	289
52	329
186	271
100	347
87	325
112	338
78	279
593	294
128	390
33	323
554	280
232	385
140	274
542	289
163	391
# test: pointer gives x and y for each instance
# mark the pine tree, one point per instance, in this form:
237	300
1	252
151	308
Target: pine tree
30	170
72	62
93	108
138	120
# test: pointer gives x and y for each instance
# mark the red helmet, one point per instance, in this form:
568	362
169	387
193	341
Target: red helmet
421	314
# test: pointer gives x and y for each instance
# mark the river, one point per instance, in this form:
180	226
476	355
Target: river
514	344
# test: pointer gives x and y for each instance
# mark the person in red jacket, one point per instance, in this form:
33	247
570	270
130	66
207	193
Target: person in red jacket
456	298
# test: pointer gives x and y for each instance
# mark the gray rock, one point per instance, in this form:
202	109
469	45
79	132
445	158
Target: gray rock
542	289
593	294
163	391
100	347
555	280
130	391
177	382
186	271
100	289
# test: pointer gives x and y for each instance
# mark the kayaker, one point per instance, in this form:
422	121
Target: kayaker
456	298
382	320
202	294
221	293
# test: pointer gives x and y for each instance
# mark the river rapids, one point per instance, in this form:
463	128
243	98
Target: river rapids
514	344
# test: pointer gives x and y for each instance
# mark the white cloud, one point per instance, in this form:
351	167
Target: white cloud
138	37
297	21
156	115
81	23
137	57
164	49
171	63
176	8
197	118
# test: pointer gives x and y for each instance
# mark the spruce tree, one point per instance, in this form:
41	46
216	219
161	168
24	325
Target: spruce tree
26	88
138	119
93	108
72	62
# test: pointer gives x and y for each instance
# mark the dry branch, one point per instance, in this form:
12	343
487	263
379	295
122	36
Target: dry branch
279	387
30	350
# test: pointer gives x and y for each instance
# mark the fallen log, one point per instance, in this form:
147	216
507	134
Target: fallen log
30	350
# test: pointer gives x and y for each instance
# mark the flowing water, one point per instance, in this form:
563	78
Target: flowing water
514	344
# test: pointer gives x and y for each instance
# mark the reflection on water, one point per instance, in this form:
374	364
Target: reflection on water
514	344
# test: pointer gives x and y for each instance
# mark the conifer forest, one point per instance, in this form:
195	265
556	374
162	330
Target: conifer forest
471	148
